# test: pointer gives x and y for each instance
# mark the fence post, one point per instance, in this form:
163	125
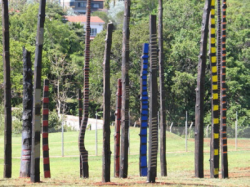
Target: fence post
190	128
171	126
96	146
236	129
207	130
186	124
62	138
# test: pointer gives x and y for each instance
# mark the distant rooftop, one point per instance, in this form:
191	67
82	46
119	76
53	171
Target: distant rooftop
83	19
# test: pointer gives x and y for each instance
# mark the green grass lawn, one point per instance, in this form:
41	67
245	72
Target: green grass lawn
65	170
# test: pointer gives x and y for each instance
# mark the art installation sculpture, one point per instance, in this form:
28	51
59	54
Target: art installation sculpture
45	134
144	111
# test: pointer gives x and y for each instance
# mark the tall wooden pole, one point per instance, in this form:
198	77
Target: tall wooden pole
82	149
117	129
27	114
144	111
7	92
36	117
106	107
80	120
214	146
162	94
46	163
199	106
153	103
125	93
223	102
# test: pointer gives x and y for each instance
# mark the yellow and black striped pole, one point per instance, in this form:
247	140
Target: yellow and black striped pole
214	151
223	106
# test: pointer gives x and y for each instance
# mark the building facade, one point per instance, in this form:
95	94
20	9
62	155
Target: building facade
79	6
96	23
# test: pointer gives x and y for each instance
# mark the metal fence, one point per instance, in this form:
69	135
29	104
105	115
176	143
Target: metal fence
232	132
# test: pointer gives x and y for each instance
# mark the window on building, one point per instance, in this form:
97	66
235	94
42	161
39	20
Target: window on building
81	4
72	4
93	32
95	5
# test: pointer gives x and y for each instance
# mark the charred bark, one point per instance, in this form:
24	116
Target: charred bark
153	104
82	149
117	129
125	93
223	100
7	92
80	120
199	106
36	116
162	95
106	107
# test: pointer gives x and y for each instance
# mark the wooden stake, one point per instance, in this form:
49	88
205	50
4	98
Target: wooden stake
199	106
106	107
27	114
82	149
7	92
36	117
125	93
153	104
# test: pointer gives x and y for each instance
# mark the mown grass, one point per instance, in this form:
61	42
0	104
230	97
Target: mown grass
65	170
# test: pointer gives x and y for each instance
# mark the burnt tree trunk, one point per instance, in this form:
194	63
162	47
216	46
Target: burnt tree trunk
153	104
27	115
80	120
200	90
46	163
125	93
82	149
36	116
223	101
162	95
117	129
7	92
106	107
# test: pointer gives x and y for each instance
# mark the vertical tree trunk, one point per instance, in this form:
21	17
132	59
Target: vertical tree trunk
214	150
106	107
36	117
46	164
223	101
125	93
153	104
80	120
83	151
144	111
7	92
117	129
162	95
199	106
27	115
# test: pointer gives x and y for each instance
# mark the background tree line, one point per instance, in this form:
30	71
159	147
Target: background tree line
63	57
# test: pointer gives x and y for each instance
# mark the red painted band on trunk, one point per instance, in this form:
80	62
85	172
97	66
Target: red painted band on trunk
47	174
45	123
45	111
45	147
46	88
45	135
46	160
45	100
